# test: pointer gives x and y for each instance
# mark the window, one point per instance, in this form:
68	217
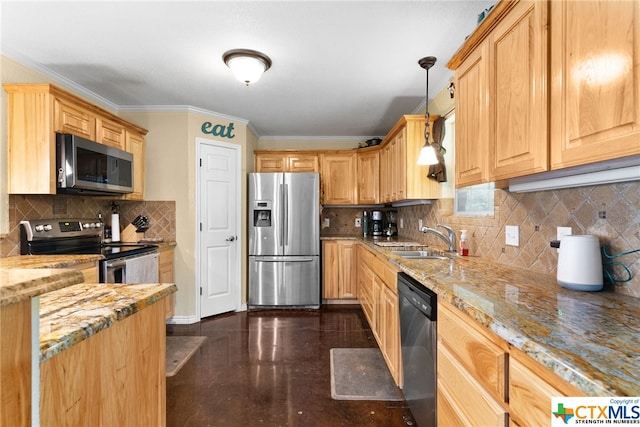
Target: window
475	200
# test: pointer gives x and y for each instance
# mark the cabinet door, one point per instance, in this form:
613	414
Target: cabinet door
330	269
518	92
302	163
70	118
369	177
270	163
348	273
399	167
595	81
472	130
391	332
135	145
338	175
385	176
110	133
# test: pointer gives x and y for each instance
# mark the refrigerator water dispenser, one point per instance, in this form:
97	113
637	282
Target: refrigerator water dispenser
262	214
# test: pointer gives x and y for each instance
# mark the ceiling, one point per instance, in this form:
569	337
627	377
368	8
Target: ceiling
344	69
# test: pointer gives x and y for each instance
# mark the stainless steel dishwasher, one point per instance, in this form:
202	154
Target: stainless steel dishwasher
418	334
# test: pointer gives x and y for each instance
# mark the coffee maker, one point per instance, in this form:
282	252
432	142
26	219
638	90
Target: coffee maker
391	227
377	224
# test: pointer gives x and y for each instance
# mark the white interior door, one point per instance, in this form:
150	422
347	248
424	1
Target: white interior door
219	208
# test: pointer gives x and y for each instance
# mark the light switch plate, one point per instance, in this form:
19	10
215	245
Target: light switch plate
401	223
512	235
420	224
327	222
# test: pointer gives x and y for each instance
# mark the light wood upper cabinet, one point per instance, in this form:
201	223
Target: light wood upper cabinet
71	118
595	81
111	133
135	145
274	161
472	119
501	99
339	178
518	92
36	112
557	82
368	176
401	178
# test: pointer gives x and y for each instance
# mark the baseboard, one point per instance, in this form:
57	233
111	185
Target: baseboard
182	320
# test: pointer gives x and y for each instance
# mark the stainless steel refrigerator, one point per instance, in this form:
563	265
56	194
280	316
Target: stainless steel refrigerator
284	240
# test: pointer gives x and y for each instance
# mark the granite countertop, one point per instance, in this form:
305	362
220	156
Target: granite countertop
24	277
590	339
73	314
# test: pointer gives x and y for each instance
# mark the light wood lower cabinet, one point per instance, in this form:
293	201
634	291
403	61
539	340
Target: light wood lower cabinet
15	364
531	388
116	377
165	275
339	274
90	271
378	295
508	387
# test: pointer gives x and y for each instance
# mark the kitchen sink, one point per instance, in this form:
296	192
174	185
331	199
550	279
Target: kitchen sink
420	254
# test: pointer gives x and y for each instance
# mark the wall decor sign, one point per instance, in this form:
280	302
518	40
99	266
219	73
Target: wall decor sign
218	130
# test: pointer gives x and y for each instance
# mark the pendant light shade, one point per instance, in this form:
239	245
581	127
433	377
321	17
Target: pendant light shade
427	154
247	65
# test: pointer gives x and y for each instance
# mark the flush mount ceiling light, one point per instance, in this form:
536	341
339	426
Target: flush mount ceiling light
427	153
246	64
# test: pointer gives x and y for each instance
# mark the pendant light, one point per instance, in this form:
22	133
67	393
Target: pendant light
427	153
247	65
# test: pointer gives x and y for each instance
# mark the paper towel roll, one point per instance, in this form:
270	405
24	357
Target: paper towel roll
115	227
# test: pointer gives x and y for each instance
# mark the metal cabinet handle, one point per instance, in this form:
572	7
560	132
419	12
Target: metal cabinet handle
231	238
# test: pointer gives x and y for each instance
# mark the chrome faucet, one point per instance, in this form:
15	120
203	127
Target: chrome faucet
449	240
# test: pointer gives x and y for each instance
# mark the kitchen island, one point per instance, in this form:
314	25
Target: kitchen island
591	340
83	353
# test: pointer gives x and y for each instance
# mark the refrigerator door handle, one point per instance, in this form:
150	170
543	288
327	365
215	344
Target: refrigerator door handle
283	258
285	231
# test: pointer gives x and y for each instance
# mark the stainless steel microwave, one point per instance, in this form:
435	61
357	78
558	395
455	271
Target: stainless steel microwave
86	167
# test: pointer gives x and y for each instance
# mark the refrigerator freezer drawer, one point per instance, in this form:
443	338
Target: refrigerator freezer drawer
284	281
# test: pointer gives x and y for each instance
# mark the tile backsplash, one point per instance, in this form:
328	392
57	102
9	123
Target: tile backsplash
611	212
162	215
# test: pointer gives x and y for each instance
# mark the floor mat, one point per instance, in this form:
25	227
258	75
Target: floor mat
180	350
361	374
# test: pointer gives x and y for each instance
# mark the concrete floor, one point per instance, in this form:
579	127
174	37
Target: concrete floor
271	368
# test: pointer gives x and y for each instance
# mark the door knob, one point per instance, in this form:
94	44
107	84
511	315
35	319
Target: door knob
231	238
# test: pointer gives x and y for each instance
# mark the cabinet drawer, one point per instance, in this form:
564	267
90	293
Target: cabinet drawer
455	382
485	360
529	395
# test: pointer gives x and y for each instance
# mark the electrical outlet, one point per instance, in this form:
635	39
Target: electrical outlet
358	222
327	222
512	235
420	224
401	223
561	232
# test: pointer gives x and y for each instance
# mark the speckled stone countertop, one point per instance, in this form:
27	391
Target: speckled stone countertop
73	314
23	277
590	339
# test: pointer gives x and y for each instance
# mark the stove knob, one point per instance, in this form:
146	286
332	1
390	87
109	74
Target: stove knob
98	225
48	227
85	225
39	228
